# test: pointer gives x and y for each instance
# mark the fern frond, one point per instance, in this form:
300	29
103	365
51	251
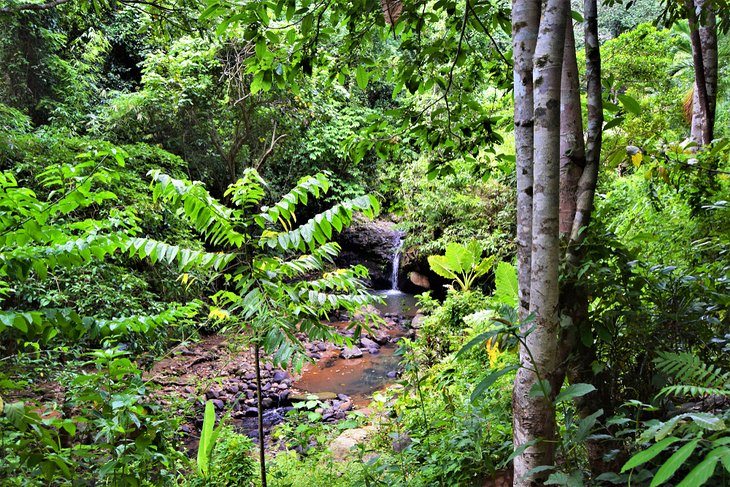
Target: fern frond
696	378
694	391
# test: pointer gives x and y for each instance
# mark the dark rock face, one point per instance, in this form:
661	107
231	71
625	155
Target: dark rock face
371	244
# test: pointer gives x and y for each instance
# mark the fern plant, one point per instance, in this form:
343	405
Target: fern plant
698	441
277	272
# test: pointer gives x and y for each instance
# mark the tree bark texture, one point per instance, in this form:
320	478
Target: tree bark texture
534	417
587	182
572	147
703	34
525	23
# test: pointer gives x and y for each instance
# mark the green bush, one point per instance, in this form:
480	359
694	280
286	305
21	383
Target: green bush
443	331
458	208
233	463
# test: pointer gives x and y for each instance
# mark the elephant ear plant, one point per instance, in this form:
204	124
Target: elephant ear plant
279	278
461	263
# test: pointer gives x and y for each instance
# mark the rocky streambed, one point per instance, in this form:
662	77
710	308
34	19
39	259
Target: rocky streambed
221	369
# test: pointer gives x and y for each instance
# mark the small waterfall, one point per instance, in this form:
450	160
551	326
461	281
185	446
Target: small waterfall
397	244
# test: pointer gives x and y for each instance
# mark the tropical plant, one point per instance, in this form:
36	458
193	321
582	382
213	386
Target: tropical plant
271	286
461	263
689	435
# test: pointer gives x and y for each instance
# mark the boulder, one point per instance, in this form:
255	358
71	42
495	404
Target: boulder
368	343
419	280
417	321
342	445
351	352
371	244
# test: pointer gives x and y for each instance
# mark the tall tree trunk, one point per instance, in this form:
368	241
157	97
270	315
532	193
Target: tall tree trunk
703	34
534	417
587	183
525	23
572	147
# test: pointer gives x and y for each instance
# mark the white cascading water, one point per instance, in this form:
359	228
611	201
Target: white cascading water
396	263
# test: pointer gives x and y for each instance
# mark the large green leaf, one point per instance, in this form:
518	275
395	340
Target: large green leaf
573	391
704	470
454	254
505	284
646	455
440	265
667	470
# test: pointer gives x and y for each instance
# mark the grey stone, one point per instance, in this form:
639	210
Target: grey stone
351	352
280	375
368	343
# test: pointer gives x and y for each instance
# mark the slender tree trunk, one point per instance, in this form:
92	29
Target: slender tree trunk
572	147
587	183
260	407
534	417
703	34
525	23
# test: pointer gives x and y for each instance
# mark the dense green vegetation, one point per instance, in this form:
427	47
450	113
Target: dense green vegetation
173	171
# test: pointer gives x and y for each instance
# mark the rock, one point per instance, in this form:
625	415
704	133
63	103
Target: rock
420	280
250	376
351	352
233	388
368	343
283	386
401	442
373	351
315	355
266	386
342	445
392	374
418	320
371	244
364	311
251	412
280	375
267	403
345	406
218	404
343	397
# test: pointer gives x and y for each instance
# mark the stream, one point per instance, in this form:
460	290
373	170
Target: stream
351	382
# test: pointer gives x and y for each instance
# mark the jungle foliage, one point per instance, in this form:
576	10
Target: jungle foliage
171	170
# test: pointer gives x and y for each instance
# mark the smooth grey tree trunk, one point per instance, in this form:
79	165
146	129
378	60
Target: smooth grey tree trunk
525	23
572	146
534	417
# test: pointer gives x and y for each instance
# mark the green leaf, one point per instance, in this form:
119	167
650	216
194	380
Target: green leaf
573	391
646	455
630	104
667	470
440	266
361	76
614	123
505	284
490	379
205	448
454	254
702	472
